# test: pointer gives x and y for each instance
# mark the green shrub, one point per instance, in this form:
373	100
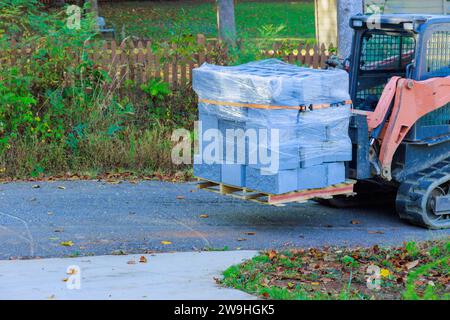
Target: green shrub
61	111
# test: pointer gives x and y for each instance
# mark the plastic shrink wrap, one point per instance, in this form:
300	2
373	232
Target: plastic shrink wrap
272	127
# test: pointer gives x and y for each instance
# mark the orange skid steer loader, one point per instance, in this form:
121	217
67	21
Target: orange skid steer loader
400	128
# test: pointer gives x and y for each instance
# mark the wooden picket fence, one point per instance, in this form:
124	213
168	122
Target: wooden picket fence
51	2
135	62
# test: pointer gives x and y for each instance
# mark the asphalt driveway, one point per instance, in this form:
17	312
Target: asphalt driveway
78	218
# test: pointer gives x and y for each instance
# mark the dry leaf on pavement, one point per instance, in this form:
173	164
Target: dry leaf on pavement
375	232
143	259
411	265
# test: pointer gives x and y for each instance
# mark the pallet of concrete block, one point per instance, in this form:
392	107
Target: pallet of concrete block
272	127
345	188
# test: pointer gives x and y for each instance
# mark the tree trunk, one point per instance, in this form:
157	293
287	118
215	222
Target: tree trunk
347	9
226	22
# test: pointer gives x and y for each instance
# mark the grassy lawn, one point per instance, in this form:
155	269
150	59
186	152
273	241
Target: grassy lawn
158	20
414	271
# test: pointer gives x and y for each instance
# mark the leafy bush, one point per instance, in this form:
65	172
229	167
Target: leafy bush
61	111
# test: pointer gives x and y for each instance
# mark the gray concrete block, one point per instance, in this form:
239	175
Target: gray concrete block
275	118
233	174
235	142
311	155
336	173
269	182
211	172
313	177
285	149
337	151
208	121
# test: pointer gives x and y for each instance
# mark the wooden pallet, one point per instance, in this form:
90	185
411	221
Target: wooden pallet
345	188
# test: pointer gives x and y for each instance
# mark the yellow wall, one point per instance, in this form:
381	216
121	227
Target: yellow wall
326	21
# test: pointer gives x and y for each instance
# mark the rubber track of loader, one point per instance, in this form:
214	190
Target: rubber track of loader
411	193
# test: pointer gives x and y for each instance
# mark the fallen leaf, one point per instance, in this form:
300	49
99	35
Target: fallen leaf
65	279
375	232
411	265
131	262
59	230
166	242
266	295
180	197
315	283
61	187
204	216
376	250
118	253
241	239
251	233
67	243
72	271
355	222
272	254
143	259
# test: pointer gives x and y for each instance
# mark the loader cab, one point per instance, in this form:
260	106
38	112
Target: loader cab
408	46
383	47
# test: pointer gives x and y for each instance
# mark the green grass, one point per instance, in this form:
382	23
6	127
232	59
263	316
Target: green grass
412	272
158	20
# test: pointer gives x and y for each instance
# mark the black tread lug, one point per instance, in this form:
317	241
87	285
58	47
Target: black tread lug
411	192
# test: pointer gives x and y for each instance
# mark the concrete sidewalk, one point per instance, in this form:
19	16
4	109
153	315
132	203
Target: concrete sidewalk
186	275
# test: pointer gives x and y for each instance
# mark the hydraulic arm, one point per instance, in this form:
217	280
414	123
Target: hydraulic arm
401	105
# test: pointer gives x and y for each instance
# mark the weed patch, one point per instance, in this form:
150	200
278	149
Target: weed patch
414	271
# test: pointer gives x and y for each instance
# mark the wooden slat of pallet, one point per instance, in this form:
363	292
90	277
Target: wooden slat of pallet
206	184
277	200
340	189
231	191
